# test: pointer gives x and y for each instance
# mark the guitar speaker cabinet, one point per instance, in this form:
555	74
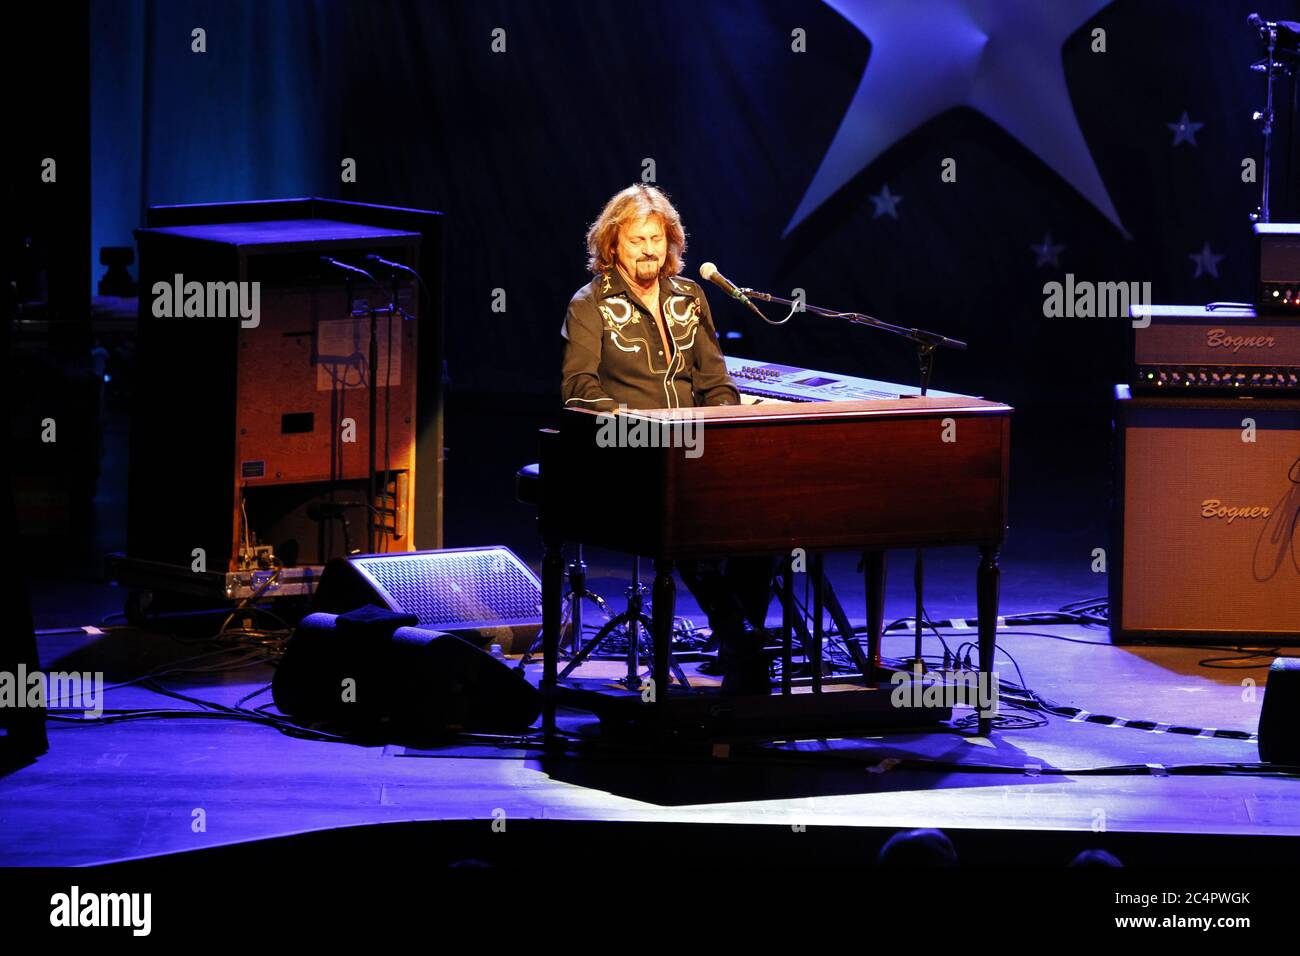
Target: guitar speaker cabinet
1207	520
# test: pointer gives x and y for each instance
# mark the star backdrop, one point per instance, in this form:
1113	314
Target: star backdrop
813	164
1000	58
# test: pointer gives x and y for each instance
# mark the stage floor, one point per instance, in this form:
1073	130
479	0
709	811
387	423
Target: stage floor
142	788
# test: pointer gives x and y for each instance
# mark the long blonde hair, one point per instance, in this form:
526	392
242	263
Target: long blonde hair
637	201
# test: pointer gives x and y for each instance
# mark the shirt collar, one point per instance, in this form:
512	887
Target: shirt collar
612	283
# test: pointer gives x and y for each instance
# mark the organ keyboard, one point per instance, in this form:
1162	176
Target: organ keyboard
761	381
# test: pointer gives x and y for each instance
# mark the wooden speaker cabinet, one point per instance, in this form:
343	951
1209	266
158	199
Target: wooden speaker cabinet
1207	520
246	428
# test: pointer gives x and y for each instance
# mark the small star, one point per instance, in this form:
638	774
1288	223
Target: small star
1206	262
1184	130
886	203
1047	252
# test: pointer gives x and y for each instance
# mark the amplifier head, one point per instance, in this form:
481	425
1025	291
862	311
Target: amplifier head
1278	247
1190	348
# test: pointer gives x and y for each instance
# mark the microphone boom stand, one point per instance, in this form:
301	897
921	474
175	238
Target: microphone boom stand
927	343
373	531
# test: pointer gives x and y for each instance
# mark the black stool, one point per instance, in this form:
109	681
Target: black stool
635	619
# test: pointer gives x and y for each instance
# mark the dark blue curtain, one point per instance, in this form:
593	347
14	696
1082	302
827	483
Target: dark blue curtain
521	148
254	117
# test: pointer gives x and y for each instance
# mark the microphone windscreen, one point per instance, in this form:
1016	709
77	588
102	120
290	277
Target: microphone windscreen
707	271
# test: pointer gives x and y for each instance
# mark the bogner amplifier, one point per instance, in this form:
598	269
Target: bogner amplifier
1277	245
1193	348
1207	519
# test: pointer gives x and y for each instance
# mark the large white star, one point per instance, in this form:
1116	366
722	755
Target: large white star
1000	57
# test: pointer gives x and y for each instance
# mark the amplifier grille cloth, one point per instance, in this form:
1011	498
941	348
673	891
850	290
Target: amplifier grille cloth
1184	570
459	587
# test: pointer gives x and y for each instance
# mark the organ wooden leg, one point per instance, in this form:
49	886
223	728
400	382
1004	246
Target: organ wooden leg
874	574
665	607
787	625
987	580
815	571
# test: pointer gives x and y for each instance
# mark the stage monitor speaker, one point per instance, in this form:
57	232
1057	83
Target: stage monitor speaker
1279	718
371	673
485	595
1207	520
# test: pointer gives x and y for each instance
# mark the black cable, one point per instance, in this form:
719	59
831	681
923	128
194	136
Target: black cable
1001	722
1224	663
249	604
1019	696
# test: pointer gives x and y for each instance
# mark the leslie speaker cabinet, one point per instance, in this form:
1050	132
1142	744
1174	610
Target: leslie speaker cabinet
1207	520
254	431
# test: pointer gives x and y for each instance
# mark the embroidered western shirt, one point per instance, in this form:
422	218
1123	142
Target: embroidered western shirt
615	351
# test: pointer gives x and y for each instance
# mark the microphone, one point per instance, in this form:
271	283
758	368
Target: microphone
347	268
709	273
392	265
394	268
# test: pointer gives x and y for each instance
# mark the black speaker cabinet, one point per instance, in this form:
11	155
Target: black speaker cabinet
1207	519
1279	718
372	673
